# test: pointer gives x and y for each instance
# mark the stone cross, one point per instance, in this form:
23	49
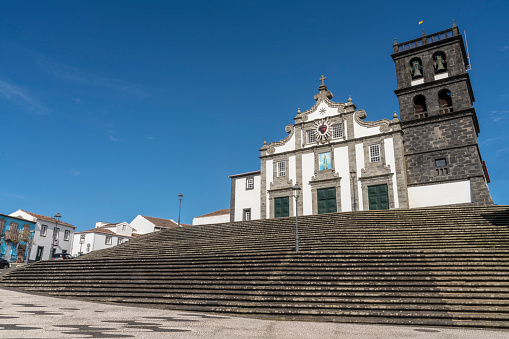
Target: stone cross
323	79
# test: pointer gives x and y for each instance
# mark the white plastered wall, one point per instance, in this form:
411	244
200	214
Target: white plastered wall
268	179
308	170
342	167
142	225
361	131
440	194
359	155
216	219
247	198
391	161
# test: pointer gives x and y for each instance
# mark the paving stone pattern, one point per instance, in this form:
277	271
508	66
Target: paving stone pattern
440	267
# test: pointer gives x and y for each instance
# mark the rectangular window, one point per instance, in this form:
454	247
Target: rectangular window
281	168
440	162
441	166
44	230
337	131
249	183
310	136
374	153
247	214
124	227
14	227
120	240
67	233
55	233
108	240
2	224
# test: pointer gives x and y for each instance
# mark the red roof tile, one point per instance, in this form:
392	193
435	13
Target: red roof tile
43	217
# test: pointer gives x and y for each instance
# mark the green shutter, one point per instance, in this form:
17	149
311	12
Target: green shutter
281	207
326	200
378	197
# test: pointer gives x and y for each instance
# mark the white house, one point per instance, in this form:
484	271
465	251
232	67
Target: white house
51	235
144	224
216	217
104	235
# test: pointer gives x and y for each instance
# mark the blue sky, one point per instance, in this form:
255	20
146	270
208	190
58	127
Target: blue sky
110	109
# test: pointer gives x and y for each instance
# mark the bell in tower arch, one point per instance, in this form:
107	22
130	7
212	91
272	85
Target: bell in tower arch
439	62
415	68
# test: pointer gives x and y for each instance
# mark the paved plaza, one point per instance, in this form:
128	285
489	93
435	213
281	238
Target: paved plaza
24	315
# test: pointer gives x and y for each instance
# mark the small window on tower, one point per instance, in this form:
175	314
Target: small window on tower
420	107
374	153
445	101
311	136
281	168
441	167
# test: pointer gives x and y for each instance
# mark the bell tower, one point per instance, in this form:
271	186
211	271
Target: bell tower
442	158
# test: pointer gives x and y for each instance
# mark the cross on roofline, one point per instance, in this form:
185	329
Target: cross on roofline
323	79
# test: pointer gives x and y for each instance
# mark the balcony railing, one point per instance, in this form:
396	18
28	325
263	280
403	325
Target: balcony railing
12	236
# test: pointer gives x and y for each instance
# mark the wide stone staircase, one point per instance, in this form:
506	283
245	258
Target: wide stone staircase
443	266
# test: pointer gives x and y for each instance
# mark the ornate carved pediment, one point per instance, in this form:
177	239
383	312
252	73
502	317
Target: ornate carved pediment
384	124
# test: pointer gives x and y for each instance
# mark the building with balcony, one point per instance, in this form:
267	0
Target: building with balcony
50	235
16	236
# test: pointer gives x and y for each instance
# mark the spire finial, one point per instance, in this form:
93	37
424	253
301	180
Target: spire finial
395	42
453	23
395	116
298	110
264	142
349	98
423	34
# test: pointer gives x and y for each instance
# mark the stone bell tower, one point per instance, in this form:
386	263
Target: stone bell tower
442	158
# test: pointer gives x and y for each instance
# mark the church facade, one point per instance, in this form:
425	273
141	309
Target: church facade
338	161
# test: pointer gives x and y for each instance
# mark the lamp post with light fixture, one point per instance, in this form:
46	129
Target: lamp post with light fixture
180	203
352	175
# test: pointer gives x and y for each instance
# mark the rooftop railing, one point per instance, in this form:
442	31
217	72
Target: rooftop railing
426	39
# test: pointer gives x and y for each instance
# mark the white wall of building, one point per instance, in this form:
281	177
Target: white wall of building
342	166
215	219
45	241
440	194
359	155
308	171
142	225
391	161
246	198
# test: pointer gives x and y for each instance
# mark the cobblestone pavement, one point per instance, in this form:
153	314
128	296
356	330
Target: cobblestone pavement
25	315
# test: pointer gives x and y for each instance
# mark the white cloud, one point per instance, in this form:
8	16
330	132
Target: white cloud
75	75
21	97
497	115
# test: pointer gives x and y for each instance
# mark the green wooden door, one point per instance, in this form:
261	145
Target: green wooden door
378	197
326	200
281	207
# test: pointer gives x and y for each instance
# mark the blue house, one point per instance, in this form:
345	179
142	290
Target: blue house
14	235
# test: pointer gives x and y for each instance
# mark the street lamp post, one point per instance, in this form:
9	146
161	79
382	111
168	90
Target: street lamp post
296	190
57	218
352	175
30	243
180	204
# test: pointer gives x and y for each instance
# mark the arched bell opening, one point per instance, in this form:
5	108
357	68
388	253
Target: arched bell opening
416	68
420	107
445	101
439	62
